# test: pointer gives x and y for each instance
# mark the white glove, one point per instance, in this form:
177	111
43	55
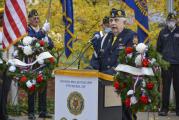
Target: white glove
46	26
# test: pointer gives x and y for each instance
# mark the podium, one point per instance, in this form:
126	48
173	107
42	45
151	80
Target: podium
85	95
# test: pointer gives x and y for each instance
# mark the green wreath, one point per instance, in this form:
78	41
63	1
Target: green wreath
138	77
32	76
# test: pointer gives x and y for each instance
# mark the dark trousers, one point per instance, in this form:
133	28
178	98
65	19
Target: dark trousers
4	89
42	102
167	76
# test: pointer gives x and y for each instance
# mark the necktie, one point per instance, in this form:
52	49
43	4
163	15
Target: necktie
114	39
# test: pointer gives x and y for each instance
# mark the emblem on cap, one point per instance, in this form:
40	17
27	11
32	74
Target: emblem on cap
119	13
112	15
171	16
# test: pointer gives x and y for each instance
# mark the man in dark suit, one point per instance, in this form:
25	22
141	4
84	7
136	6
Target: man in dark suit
168	46
105	27
109	46
108	51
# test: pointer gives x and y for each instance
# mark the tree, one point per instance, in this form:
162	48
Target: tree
88	15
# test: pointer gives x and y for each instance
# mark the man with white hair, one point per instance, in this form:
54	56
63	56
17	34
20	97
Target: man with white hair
108	53
108	50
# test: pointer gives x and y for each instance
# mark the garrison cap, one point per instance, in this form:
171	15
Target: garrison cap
33	13
117	13
106	20
171	16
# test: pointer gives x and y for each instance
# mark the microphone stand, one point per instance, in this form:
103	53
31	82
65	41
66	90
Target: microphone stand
78	57
82	53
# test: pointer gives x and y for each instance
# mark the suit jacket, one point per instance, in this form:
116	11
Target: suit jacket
108	54
39	35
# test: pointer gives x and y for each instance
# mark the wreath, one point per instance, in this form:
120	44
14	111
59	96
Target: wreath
138	77
32	64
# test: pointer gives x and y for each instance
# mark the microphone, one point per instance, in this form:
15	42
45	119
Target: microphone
92	41
84	49
94	38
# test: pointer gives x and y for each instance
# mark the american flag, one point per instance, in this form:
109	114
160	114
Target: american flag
14	22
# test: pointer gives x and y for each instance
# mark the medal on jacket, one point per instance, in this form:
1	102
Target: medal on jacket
135	40
121	45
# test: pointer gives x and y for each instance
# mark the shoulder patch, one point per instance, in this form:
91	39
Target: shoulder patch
166	35
176	35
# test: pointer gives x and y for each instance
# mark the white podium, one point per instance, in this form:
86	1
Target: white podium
76	96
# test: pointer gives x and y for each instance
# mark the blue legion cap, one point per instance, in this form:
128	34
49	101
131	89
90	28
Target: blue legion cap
117	13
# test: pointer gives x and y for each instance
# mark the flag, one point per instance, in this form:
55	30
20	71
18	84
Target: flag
141	18
14	22
67	6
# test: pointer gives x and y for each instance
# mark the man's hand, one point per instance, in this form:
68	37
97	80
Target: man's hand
46	26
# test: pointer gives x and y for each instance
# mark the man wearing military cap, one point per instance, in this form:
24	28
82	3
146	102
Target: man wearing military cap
108	54
168	46
114	41
40	33
105	26
100	36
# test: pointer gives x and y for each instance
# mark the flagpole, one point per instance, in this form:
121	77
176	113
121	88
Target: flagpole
170	5
49	10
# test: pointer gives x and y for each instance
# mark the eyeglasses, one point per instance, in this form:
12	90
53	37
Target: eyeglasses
36	18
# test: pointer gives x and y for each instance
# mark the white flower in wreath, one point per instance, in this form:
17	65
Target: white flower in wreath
129	55
45	39
33	82
40	62
27	40
133	100
143	91
34	38
141	48
15	53
143	83
1	61
138	60
130	92
12	68
150	100
153	61
10	62
37	45
29	84
27	50
42	48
